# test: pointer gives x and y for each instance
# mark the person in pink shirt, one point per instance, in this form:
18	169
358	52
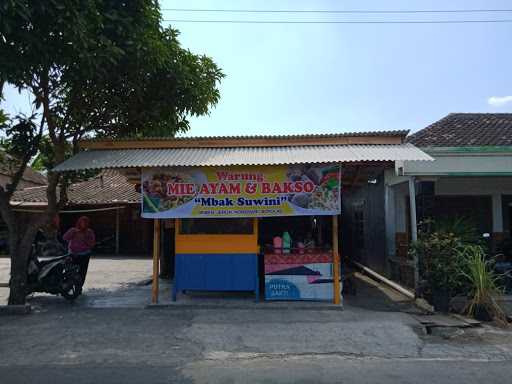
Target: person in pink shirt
81	240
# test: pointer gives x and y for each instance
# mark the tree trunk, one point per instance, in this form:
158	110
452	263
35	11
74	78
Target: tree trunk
22	234
20	247
19	260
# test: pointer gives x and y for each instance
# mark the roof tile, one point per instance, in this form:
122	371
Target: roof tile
466	130
106	188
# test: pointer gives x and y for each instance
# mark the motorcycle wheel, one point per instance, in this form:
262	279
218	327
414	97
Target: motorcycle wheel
72	290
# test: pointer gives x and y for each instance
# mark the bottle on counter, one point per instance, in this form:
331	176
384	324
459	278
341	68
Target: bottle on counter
287	242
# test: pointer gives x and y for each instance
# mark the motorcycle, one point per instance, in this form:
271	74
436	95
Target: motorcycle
59	275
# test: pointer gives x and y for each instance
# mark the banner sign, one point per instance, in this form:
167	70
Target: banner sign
245	191
298	276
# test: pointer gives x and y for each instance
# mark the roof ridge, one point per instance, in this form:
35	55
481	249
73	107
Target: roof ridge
34	187
429	127
480	113
397	132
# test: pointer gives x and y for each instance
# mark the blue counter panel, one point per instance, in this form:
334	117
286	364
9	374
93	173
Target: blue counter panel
216	272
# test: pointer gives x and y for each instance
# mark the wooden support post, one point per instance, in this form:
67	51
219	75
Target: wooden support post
412	209
156	261
117	230
414	230
336	261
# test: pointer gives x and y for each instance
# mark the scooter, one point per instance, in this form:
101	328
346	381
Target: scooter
58	275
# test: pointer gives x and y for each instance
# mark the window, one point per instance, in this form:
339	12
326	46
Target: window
223	226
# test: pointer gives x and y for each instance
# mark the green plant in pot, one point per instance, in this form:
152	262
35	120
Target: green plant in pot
440	266
482	284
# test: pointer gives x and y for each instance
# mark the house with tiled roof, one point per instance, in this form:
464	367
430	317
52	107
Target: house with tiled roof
109	187
471	177
110	201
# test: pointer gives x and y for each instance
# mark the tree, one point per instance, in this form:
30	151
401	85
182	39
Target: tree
95	68
3	116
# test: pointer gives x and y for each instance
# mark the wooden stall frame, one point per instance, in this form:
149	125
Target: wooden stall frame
156	260
335	246
336	261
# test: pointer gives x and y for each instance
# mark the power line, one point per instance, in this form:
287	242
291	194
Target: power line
336	22
337	11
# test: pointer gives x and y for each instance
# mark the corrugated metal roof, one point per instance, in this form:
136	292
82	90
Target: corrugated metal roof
392	133
204	157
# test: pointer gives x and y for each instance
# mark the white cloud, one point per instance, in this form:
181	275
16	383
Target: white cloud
499	101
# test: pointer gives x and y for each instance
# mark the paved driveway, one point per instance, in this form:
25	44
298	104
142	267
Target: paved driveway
107	278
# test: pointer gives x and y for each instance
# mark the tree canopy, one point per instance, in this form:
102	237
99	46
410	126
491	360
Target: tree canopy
105	66
95	68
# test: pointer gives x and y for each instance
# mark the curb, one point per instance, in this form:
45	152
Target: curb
15	309
258	307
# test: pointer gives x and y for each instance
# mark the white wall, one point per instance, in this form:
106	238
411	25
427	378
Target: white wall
460	164
401	193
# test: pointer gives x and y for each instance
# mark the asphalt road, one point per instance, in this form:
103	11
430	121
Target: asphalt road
299	371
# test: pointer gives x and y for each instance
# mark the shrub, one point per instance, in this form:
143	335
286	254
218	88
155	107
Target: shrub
483	283
440	264
464	228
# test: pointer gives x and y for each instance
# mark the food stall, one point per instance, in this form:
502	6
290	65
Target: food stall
217	211
244	206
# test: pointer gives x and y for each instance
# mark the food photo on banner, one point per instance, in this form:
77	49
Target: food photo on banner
241	191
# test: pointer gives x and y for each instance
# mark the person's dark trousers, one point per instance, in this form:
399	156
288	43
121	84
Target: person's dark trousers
83	262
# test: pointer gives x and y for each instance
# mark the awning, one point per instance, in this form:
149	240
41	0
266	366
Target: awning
206	157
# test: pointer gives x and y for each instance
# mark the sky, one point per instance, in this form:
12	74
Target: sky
324	78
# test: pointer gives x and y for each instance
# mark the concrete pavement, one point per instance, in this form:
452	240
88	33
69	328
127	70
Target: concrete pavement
118	341
248	346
